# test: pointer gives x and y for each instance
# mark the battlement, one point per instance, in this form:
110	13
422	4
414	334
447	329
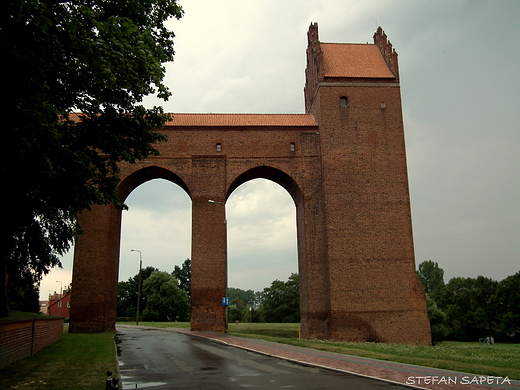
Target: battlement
387	51
347	62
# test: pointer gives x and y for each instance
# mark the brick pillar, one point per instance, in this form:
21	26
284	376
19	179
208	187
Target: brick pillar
95	271
312	245
208	265
209	243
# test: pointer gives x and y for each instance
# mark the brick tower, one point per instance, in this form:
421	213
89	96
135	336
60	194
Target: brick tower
353	92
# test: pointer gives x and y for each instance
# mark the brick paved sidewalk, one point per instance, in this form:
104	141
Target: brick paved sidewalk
404	374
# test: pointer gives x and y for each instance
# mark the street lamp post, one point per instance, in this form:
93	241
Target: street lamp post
138	284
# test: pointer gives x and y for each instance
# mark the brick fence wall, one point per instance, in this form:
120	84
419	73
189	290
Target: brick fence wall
19	339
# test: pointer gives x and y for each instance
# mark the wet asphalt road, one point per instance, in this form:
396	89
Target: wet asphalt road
154	359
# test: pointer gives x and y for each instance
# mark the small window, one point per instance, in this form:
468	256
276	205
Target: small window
293	147
343	101
219	147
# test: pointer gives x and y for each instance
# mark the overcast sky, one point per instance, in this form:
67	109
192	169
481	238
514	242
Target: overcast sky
459	65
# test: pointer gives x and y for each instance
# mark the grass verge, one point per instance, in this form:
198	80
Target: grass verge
494	360
77	361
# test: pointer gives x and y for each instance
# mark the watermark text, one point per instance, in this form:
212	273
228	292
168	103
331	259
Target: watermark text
461	380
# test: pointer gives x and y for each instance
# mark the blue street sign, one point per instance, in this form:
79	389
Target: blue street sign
225	301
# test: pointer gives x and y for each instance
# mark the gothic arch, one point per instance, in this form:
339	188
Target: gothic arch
269	173
135	179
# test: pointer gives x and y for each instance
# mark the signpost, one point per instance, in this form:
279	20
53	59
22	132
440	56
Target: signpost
225	303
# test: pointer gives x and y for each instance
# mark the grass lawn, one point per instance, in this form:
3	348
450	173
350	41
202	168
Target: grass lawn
77	361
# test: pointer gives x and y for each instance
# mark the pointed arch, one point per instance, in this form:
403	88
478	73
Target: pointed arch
269	173
134	180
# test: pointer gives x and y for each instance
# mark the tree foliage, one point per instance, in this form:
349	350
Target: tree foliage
431	276
507	301
163	299
243	305
24	294
281	301
438	325
468	306
95	57
248	297
166	301
468	309
127	294
183	276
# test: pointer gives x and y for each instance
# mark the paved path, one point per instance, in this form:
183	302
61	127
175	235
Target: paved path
403	374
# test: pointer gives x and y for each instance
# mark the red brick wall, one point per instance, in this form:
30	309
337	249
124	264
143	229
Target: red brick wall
348	178
19	339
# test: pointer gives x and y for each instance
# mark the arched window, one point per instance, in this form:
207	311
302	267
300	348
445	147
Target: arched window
343	101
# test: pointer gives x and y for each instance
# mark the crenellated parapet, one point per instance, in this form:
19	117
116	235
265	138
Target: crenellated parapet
387	51
314	70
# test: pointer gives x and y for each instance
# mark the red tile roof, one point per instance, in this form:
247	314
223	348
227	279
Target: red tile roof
208	120
354	61
242	120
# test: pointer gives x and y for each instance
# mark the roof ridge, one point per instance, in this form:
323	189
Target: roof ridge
347	43
225	119
232	113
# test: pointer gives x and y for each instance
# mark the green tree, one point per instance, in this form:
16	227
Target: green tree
438	326
165	301
431	276
507	306
183	275
127	294
243	303
236	310
98	58
249	297
468	304
24	294
281	301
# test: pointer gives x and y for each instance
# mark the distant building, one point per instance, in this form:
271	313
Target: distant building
59	304
43	307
